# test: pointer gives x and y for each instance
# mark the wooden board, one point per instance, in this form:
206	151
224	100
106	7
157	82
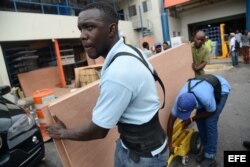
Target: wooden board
39	79
75	109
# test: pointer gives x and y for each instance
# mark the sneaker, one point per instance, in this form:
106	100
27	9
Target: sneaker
246	144
208	163
201	156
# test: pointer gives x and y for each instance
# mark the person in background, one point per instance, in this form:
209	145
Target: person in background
245	44
200	94
200	53
246	144
233	50
165	45
157	46
146	50
130	102
208	44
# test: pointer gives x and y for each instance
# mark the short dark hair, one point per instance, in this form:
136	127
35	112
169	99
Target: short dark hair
145	45
165	42
106	8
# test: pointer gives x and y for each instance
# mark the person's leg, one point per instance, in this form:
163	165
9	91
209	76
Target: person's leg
201	128
233	57
159	160
236	58
246	144
122	158
212	129
212	134
121	155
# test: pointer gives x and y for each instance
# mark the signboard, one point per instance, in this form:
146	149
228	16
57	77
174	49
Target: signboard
169	3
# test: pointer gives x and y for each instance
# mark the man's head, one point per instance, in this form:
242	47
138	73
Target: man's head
98	23
206	38
157	47
165	45
145	45
199	39
185	105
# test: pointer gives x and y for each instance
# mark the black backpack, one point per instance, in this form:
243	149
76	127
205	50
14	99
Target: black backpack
237	45
141	59
213	80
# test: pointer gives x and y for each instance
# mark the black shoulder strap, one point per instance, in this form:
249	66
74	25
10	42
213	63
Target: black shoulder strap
190	88
212	80
142	59
189	84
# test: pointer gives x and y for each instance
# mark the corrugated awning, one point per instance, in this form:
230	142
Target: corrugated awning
169	3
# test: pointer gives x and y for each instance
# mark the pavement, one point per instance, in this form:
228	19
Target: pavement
233	125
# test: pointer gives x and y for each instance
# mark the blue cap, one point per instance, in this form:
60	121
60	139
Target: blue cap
185	105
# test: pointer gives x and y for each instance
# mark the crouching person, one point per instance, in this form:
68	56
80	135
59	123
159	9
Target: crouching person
208	94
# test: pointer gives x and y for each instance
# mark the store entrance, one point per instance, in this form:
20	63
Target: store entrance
215	32
232	23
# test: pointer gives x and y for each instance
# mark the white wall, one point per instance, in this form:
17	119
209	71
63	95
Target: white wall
209	12
16	26
127	29
174	25
153	15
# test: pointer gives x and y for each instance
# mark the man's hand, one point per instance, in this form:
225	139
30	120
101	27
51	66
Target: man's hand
57	131
194	67
186	123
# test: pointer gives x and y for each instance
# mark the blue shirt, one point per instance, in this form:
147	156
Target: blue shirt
204	91
128	93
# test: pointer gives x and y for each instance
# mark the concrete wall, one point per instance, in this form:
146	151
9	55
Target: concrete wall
126	28
209	12
174	26
153	15
17	26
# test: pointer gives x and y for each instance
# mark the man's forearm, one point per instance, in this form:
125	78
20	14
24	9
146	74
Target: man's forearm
85	133
202	115
201	66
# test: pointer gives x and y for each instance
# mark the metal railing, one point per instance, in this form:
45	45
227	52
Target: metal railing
48	7
63	8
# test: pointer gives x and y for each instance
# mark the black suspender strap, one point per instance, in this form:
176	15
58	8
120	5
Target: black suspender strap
190	88
189	84
142	59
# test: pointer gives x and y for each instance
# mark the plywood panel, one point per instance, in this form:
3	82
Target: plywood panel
39	79
174	67
75	109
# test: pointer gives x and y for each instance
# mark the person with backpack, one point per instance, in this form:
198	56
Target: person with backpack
128	95
234	50
207	94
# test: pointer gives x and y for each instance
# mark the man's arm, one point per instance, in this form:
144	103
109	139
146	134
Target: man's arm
88	132
171	121
201	115
200	66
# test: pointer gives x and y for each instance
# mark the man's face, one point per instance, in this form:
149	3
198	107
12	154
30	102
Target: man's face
199	40
165	46
158	49
94	32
